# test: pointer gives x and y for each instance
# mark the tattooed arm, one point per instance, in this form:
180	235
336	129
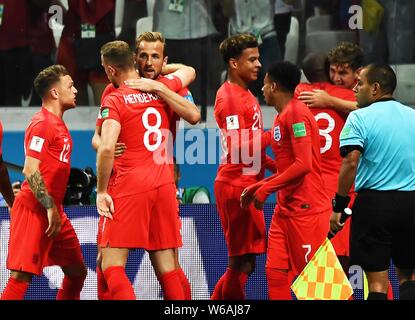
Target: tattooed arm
37	185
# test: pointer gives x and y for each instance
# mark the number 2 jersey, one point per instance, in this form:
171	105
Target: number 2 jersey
145	126
47	139
330	123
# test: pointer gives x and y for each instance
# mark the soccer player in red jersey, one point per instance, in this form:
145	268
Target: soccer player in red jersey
5	186
40	232
330	122
299	223
151	62
345	62
136	192
239	117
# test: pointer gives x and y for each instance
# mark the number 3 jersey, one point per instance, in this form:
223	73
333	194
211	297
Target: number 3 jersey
330	123
47	139
145	130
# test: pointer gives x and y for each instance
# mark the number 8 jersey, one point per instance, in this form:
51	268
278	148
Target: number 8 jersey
145	130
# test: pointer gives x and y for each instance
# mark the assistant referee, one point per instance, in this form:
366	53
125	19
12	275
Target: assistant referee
378	147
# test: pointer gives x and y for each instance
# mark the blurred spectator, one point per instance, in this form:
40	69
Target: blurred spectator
196	194
191	39
41	41
88	25
15	82
133	10
282	22
255	17
394	41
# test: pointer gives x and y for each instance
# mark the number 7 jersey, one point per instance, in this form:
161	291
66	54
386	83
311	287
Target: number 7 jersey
145	130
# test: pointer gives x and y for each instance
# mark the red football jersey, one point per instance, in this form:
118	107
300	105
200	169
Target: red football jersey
171	114
47	139
295	131
237	111
330	123
144	120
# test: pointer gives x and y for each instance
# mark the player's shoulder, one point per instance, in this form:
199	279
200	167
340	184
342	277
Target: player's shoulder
108	90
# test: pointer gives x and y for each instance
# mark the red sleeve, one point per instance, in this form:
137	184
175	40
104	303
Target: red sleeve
302	150
171	82
110	110
107	91
270	164
38	138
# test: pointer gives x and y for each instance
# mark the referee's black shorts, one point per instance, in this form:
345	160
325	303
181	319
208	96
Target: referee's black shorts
383	227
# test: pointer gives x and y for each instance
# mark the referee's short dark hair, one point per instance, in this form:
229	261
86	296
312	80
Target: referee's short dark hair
47	77
233	46
382	74
286	74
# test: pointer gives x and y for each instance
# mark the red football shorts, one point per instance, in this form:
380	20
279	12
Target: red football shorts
244	229
147	220
30	250
292	241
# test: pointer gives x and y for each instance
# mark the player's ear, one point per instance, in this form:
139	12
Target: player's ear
165	60
112	70
233	64
54	93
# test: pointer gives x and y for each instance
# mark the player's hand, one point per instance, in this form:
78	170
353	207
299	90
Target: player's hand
258	204
246	198
142	84
315	99
55	222
119	149
335	225
105	205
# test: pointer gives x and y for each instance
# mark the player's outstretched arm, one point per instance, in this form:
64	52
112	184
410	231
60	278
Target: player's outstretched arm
31	171
321	99
183	107
96	141
105	160
347	177
185	73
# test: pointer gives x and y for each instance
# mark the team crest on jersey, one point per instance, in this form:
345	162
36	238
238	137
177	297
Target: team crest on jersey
277	133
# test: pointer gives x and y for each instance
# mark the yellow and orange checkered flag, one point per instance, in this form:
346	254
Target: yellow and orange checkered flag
323	277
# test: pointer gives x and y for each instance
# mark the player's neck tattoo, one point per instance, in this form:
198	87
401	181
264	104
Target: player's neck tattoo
37	185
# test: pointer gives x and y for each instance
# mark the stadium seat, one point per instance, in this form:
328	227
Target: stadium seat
292	42
323	41
405	89
318	23
144	24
